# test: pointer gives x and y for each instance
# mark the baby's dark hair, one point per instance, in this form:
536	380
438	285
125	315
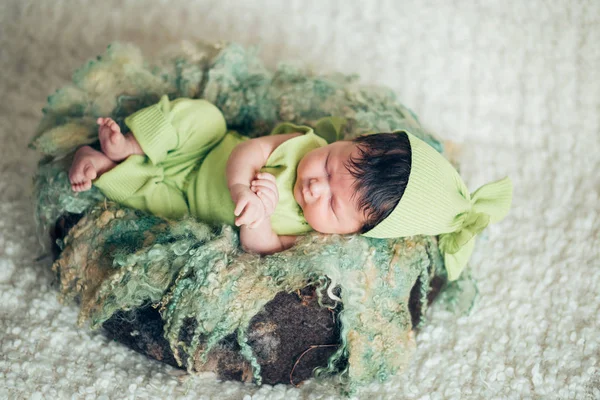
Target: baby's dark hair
381	170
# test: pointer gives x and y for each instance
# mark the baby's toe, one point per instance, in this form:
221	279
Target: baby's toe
82	186
75	177
87	185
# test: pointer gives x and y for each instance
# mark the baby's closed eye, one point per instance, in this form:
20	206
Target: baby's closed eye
332	205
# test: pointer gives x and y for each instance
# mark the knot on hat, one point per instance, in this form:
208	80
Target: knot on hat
436	201
473	223
490	203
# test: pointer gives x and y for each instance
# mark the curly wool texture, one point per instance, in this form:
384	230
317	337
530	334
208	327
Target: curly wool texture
117	258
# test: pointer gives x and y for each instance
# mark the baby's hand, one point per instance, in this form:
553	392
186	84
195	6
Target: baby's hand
249	208
265	187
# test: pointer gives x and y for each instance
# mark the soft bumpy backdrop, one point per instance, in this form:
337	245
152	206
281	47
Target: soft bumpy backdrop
517	83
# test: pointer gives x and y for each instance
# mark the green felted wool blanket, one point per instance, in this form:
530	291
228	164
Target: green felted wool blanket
117	258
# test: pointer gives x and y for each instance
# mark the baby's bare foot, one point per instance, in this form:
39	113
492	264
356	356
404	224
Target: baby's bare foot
114	144
87	165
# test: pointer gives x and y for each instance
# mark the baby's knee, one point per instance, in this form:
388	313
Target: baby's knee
202	118
211	117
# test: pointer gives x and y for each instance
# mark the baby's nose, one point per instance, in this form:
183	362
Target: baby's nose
317	187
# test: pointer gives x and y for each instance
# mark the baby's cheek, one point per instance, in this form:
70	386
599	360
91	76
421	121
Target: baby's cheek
317	220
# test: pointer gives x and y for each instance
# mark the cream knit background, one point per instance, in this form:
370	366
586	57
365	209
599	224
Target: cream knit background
518	82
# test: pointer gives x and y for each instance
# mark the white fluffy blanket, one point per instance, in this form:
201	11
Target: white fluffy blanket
518	83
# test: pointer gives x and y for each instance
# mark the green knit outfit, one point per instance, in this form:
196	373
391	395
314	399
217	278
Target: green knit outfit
187	146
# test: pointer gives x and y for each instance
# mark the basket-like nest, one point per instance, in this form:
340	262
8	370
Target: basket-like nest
205	296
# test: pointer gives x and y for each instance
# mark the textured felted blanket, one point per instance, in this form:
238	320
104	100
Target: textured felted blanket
117	259
517	84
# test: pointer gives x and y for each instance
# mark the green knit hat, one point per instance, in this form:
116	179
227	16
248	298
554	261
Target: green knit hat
436	201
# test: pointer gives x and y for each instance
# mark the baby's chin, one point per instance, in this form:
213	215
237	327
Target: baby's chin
313	222
316	224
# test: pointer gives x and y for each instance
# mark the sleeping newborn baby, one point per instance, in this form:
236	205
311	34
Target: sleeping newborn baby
179	159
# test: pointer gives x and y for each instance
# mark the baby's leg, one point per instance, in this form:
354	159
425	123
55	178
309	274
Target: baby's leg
138	184
87	165
114	144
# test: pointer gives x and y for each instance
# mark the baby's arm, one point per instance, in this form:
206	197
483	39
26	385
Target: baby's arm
244	163
258	236
261	239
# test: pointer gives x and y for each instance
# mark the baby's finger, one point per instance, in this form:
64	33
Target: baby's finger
251	222
243	219
249	215
239	221
266	176
264	182
268	201
268	193
99	121
271	197
265	186
239	207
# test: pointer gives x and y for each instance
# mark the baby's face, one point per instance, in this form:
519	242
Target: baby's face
324	189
